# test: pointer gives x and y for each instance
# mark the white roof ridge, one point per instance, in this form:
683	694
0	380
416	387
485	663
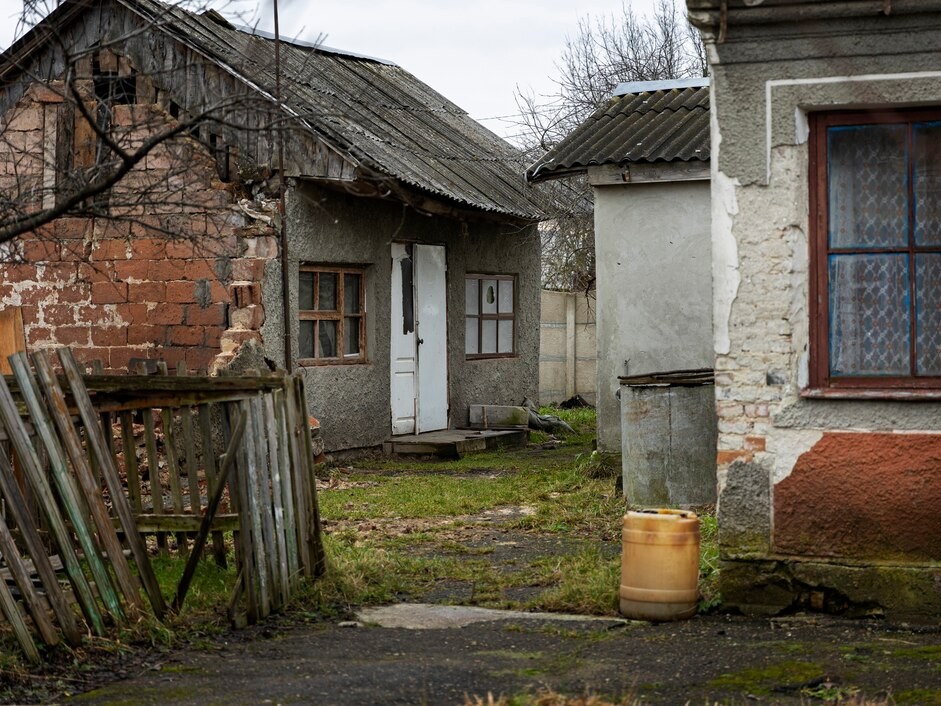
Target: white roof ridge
662	85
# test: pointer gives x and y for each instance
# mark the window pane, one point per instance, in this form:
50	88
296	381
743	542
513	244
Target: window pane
327	291
305	340
488	343
305	293
928	314
505	336
351	294
470	336
869	315
351	325
868	186
488	304
470	296
506	296
327	339
927	149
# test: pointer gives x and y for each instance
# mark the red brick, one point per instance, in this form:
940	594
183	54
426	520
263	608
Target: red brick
120	357
170	314
725	457
41	251
59	314
110	336
135	313
248	269
213	336
73	293
165	270
108	292
212	315
35	295
111	249
181	248
87	356
181	291
59	272
147	292
20	273
137	270
95	271
112	228
172	356
218	292
242	295
755	443
141	333
187	335
150	248
30	314
37	335
72	228
43	93
72	335
147	227
199	359
250	317
200	269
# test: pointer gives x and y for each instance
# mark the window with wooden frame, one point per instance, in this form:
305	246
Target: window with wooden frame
332	313
490	316
875	190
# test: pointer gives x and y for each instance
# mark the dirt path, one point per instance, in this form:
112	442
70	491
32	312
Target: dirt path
705	660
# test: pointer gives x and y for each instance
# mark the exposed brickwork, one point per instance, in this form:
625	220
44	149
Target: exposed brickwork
163	280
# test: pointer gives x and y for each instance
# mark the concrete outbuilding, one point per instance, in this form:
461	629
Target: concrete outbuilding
646	156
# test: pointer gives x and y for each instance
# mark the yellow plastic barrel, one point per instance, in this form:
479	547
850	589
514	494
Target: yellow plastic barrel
660	565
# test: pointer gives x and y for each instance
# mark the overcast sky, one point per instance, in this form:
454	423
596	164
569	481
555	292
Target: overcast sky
475	52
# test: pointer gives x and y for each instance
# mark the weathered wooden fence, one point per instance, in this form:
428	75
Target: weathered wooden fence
100	472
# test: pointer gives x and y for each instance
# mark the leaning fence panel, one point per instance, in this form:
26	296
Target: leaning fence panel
115	466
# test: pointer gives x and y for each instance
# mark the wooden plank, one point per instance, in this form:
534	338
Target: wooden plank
173	472
55	399
29	461
287	485
242	502
119	500
302	510
279	501
209	468
35	604
132	476
315	536
266	505
209	518
153	468
12	613
189	447
12	338
255	502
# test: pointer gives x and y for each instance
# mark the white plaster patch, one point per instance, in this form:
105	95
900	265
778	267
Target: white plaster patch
787	445
726	276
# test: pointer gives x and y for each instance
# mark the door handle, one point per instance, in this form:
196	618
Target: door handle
420	341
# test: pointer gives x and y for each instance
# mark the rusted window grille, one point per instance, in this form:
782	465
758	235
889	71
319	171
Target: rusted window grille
332	312
490	316
876	249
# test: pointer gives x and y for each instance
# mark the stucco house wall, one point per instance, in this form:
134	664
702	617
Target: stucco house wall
825	503
352	402
654	287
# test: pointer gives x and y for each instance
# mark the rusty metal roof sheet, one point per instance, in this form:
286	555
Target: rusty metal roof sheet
663	125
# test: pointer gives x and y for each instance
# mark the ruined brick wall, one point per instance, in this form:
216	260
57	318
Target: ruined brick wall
173	272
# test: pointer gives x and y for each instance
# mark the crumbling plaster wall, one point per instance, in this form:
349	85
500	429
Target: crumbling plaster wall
788	532
352	402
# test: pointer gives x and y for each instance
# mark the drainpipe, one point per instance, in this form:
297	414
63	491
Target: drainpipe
282	192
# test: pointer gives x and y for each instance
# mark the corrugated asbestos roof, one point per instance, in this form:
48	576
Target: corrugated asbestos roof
649	126
384	118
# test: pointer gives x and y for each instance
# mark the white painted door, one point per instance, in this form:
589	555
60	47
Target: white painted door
431	327
419	339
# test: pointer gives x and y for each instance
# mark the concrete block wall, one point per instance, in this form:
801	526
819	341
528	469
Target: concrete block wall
567	346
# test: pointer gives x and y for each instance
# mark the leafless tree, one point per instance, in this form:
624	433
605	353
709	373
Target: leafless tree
97	130
603	52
